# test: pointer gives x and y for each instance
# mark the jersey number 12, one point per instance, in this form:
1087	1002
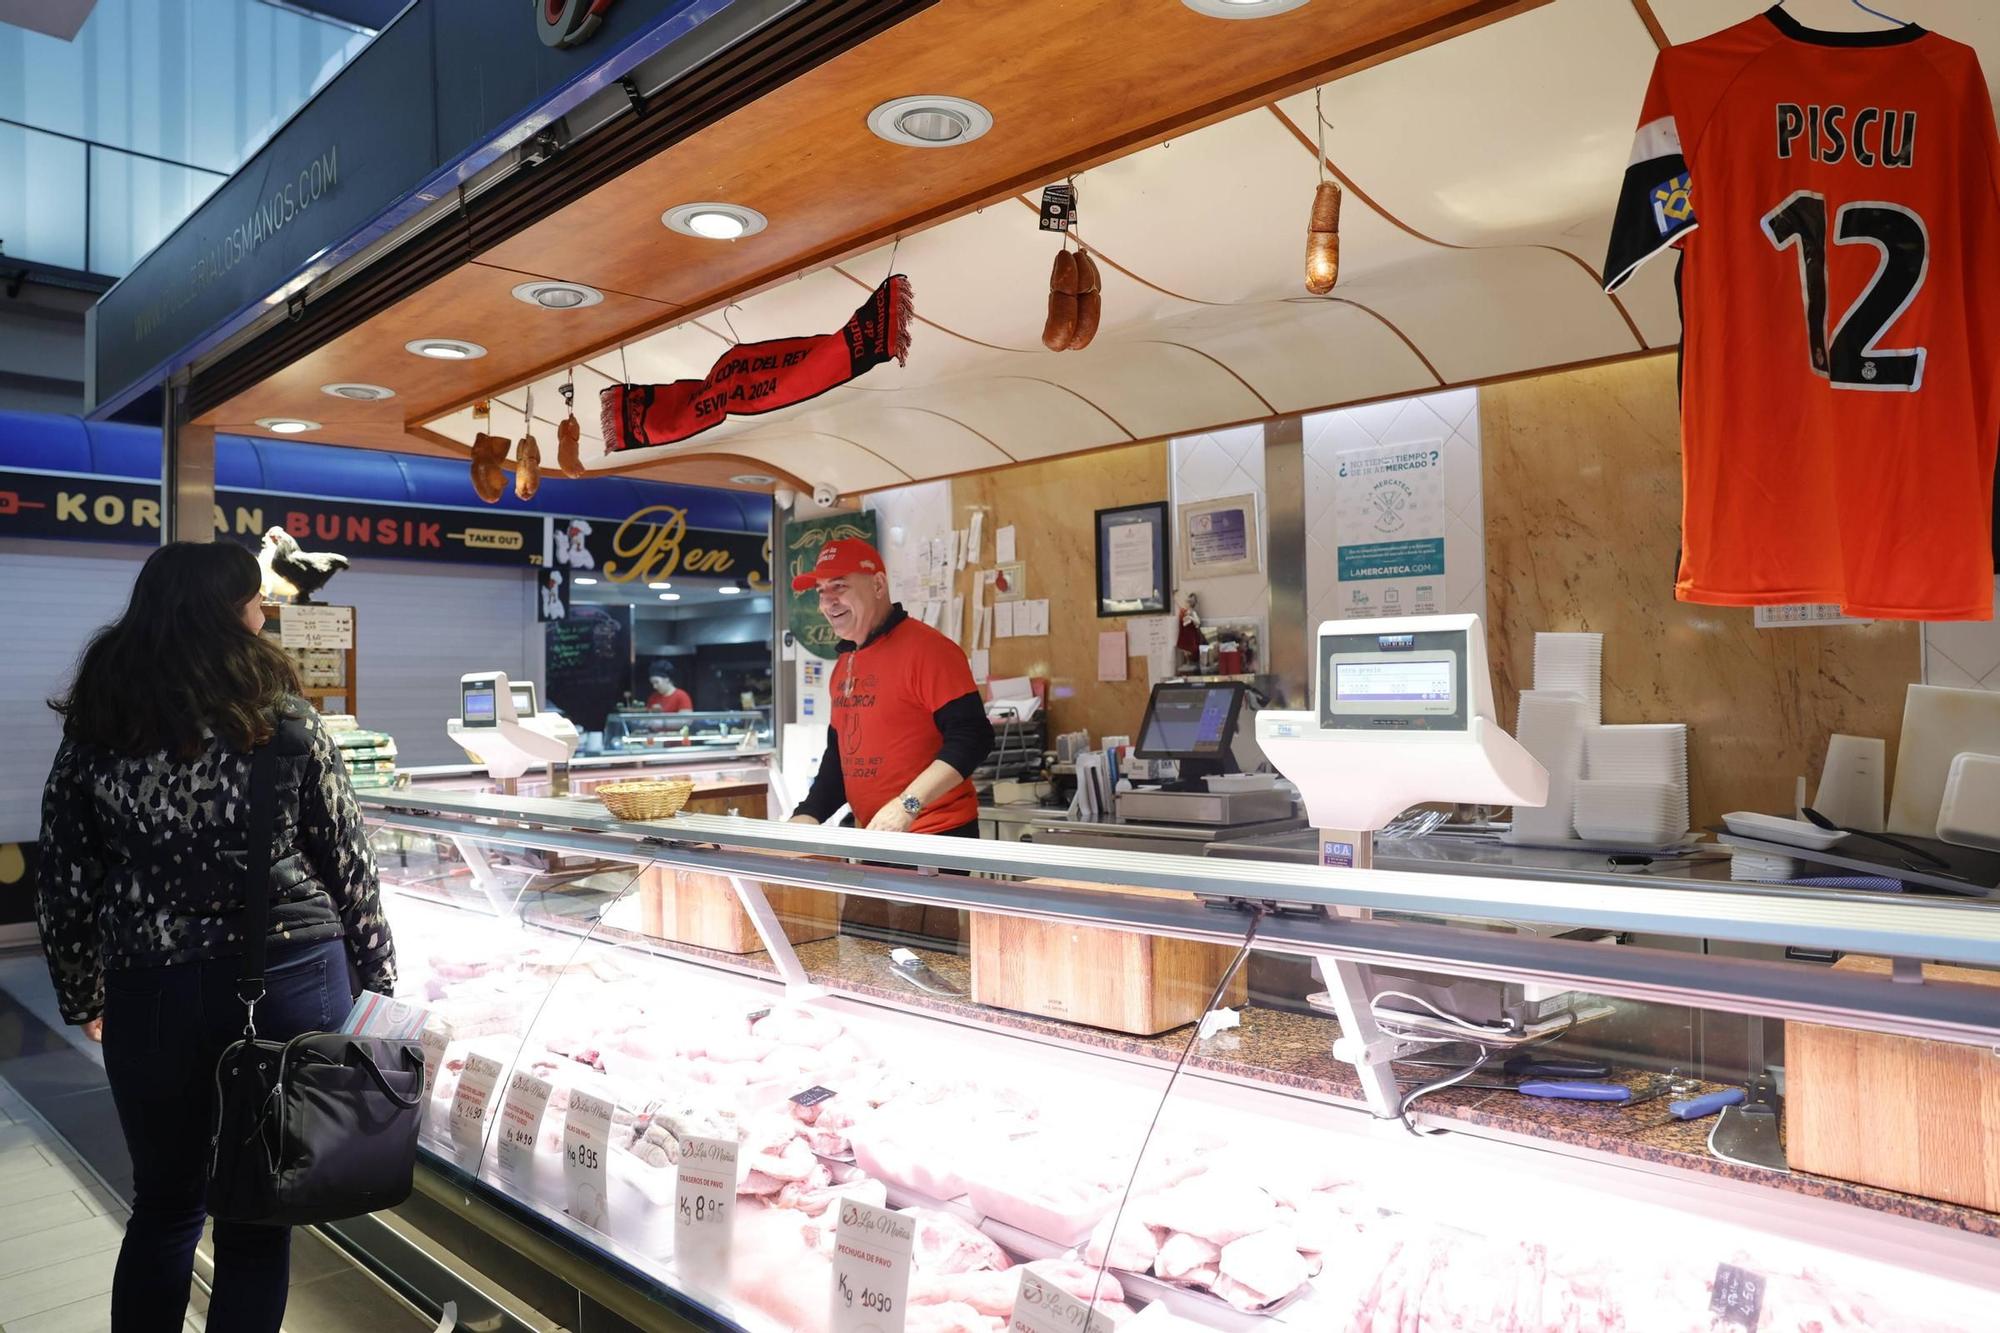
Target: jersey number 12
1851	359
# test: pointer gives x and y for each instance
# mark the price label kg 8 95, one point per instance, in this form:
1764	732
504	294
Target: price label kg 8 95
704	1206
586	1139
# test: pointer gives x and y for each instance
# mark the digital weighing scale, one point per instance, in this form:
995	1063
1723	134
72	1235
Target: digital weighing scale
500	727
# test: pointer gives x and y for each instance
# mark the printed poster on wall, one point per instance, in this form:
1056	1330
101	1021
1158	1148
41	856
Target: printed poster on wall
1388	516
803	538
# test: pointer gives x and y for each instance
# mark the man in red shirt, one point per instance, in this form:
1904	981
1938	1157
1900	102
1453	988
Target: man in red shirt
908	727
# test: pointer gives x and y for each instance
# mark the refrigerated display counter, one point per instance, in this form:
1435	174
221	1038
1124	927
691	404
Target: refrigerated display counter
1086	1096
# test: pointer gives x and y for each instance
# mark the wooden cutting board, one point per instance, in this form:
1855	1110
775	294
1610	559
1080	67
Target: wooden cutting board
1117	979
1919	1117
691	907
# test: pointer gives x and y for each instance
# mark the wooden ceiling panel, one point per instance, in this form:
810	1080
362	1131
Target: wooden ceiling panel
474	303
1067	84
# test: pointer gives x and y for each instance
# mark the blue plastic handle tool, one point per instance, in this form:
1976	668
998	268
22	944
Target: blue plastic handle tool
1575	1092
1694	1108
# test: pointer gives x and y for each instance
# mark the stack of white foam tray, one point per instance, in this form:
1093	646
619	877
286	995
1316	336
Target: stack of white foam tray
1550	727
1647	752
1572	664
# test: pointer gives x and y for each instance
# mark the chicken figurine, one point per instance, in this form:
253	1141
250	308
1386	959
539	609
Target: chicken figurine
288	570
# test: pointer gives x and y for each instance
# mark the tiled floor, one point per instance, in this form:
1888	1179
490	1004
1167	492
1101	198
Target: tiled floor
63	1195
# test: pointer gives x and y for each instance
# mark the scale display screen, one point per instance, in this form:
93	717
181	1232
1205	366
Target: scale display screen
524	697
476	706
1393	681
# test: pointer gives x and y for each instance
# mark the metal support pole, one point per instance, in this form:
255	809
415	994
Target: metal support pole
1286	656
750	892
187	473
1362	1043
782	679
483	874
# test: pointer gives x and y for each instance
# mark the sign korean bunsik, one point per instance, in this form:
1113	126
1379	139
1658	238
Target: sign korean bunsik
803	538
105	509
1388	516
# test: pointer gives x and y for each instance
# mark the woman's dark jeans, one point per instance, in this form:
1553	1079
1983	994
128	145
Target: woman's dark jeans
164	1028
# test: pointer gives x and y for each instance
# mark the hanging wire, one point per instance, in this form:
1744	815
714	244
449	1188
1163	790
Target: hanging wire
1319	123
1886	18
735	338
624	370
892	259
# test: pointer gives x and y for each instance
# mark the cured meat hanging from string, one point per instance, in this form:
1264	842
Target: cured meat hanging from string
753	378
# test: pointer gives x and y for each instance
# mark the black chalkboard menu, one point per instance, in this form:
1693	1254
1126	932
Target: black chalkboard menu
589	662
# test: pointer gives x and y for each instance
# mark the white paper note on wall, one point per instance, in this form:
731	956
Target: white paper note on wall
958	550
1003	545
973	536
1111	655
955	620
1003	620
982	666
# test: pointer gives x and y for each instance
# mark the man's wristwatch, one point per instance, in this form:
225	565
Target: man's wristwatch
911	806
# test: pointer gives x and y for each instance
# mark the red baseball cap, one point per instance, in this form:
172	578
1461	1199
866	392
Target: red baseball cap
837	560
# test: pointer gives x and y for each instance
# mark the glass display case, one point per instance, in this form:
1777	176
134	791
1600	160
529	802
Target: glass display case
638	731
1452	1103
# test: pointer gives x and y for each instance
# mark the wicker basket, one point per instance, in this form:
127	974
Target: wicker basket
645	798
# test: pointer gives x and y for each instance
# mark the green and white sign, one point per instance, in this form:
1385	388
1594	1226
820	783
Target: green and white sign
1389	515
803	538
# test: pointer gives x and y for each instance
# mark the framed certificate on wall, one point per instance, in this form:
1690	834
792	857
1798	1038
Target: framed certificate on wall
1132	575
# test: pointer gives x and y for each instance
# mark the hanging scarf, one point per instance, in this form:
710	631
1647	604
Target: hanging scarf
761	377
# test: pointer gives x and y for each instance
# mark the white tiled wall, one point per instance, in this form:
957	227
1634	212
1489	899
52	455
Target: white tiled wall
1231	462
1964	653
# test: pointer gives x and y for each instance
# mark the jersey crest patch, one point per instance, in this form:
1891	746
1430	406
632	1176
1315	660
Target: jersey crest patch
1673	204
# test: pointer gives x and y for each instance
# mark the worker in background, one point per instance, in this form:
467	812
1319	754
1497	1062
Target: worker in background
907	726
667	697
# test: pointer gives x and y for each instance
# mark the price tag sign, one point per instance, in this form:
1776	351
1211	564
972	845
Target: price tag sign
316	627
872	1249
437	1036
704	1207
1737	1297
812	1096
521	1124
474	1096
586	1159
1042	1307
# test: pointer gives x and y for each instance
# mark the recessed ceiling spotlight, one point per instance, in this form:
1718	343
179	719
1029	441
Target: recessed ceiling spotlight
659	587
931	120
583	581
753	479
358	393
729	590
715	222
445	349
287	425
670	597
1242	9
558	295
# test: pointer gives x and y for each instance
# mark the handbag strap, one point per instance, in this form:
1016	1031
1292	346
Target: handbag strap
257	891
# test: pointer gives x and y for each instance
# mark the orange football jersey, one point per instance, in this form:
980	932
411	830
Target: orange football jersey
1836	200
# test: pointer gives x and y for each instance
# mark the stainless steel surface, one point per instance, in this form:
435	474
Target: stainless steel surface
1940	930
1944	930
1882	861
1289	634
1213	808
1488	856
187	473
1139	836
727	762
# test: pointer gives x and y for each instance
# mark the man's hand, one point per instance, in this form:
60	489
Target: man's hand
891	818
94	1029
802	819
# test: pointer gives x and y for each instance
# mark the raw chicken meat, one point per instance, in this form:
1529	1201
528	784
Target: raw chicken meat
950	1317
1209	1206
947	1245
1183	1254
798	1025
1260	1269
1132	1249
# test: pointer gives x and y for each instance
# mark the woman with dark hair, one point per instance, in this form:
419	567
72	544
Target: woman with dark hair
141	894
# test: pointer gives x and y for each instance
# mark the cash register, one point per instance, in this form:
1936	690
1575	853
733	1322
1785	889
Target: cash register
1199	726
501	727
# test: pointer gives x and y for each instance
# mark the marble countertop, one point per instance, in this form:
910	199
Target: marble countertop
1292	1050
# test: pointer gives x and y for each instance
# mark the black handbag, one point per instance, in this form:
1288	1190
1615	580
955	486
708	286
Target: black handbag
322	1126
